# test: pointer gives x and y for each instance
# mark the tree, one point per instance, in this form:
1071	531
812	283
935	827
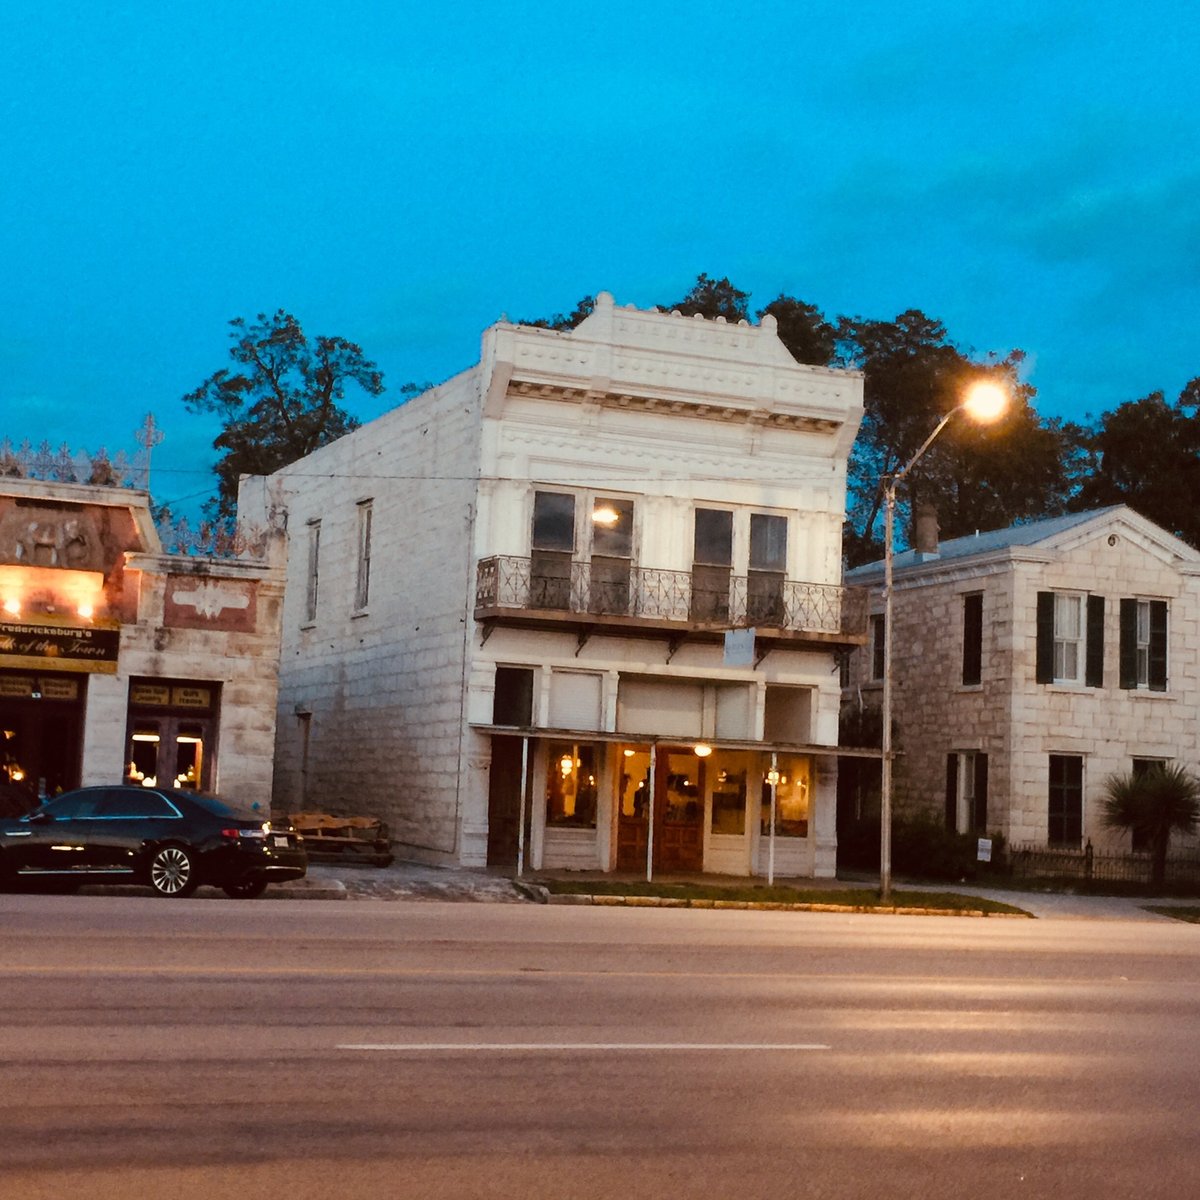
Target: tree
713	298
803	329
1146	453
1153	803
283	403
560	322
976	477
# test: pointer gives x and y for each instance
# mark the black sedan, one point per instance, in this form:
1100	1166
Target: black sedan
171	840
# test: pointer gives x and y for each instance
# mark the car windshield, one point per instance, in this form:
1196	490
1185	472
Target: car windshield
212	804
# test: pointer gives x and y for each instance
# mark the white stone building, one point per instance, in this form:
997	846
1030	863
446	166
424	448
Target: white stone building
1030	664
525	575
119	661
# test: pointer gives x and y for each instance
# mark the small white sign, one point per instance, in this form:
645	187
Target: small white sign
984	853
739	648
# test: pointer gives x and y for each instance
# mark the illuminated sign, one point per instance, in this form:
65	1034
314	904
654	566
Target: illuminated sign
62	645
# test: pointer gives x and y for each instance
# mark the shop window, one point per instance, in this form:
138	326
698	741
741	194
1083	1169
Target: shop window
571	785
728	796
791	783
171	734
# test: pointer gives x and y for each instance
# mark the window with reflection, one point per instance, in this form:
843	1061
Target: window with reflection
768	564
572	779
612	555
553	545
712	564
728	772
791	783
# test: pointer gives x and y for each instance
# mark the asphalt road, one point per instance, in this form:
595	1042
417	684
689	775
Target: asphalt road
241	1049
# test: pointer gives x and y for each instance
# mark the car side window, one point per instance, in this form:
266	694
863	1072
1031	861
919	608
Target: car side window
130	803
75	806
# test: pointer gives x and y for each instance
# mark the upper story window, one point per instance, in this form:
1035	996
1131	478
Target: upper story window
759	543
313	579
768	565
604	546
878	629
1143	650
1070	638
972	655
712	564
362	579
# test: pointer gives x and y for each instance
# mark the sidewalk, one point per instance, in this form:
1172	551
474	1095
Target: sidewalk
418	881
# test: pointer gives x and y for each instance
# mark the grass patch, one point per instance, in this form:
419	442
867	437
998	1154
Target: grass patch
848	898
1180	912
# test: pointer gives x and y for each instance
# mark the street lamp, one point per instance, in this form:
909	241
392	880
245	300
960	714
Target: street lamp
985	401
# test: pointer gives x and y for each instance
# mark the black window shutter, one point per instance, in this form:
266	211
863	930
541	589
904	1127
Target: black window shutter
1045	637
1127	653
1158	645
952	792
1095	642
972	664
981	789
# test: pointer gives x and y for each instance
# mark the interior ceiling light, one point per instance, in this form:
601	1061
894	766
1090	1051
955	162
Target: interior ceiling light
702	750
605	514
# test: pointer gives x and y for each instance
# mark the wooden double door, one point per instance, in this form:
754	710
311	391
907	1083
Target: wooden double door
678	785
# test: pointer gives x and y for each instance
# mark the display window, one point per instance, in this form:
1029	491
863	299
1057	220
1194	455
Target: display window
791	781
172	734
572	772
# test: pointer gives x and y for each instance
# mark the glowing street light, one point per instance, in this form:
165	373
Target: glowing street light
985	401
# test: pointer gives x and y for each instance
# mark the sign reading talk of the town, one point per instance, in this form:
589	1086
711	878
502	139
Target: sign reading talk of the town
62	645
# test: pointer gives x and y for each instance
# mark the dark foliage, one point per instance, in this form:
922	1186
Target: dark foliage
282	402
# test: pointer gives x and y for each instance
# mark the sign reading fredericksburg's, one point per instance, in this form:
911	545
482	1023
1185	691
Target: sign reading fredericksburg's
61	645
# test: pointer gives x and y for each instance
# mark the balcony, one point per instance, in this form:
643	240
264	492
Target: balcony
608	596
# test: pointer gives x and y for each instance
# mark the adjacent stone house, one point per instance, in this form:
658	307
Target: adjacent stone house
119	661
508	598
1031	663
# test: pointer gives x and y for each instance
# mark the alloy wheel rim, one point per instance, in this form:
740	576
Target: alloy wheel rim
171	870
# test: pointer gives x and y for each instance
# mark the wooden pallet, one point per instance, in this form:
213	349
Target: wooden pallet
330	838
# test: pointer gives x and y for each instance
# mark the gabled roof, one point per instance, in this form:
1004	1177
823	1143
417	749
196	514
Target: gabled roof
1034	533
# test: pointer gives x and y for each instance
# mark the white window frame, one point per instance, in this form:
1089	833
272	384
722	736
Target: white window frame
1070	637
1143	643
362	578
313	576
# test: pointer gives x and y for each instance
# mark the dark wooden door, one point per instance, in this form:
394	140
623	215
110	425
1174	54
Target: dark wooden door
504	801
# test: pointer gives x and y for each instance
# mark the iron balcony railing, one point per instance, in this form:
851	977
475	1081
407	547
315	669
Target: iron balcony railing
705	596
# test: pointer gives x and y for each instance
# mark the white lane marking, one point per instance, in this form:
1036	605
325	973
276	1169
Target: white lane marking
545	1046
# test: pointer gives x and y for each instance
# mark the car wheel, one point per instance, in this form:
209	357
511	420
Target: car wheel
248	889
173	871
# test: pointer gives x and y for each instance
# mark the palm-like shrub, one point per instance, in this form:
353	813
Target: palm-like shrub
1154	803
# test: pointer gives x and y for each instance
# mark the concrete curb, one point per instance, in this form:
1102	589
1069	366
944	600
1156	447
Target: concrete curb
769	906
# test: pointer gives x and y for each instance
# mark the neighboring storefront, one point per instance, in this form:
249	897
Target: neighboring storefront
118	661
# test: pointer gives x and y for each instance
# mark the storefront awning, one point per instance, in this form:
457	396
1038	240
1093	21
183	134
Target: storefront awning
644	739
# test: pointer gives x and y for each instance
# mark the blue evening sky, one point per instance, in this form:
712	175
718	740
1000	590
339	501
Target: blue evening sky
403	175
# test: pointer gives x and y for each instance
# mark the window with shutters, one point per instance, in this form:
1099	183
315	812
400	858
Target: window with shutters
1070	638
1143	647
